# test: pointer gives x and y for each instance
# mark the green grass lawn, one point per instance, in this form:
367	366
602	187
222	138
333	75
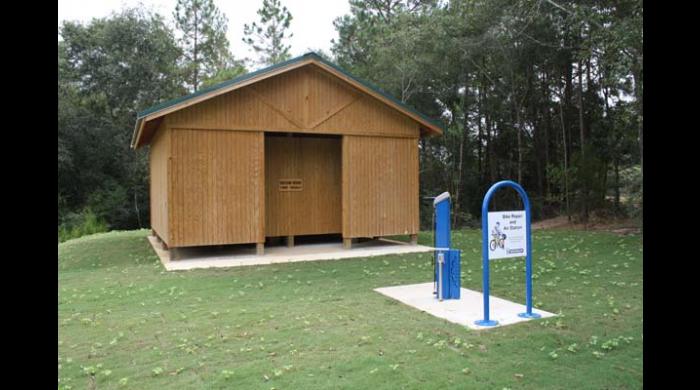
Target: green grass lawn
125	322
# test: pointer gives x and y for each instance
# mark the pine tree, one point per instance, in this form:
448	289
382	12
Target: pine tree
268	37
204	43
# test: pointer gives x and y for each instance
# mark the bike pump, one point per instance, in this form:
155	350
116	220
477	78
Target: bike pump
441	263
435	264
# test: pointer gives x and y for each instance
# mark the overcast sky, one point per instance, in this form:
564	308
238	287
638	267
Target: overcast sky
312	23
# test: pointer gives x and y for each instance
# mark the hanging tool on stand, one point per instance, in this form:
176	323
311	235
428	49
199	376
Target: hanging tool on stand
434	263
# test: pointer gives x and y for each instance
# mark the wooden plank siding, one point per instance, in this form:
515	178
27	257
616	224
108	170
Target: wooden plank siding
380	186
216	166
315	162
158	161
304	100
217	188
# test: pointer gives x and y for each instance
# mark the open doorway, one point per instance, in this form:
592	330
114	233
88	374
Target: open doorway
302	184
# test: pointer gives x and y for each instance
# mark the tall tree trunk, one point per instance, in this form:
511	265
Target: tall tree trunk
547	124
480	136
518	129
584	189
463	141
613	147
489	150
194	56
458	186
582	136
639	97
568	87
538	161
616	164
489	139
566	164
535	116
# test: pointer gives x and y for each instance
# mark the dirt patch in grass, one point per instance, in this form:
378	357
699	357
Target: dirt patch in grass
625	226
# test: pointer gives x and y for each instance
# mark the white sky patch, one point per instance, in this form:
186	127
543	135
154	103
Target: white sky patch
312	20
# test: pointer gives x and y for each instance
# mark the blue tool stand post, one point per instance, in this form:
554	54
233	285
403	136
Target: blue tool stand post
447	273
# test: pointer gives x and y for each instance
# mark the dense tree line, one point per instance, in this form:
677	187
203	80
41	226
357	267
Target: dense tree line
544	92
547	93
111	68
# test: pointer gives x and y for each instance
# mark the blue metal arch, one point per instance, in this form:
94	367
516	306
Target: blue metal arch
485	251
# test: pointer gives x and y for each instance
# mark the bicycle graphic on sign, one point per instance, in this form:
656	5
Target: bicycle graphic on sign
499	238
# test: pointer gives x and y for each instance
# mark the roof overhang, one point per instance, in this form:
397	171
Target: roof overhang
427	126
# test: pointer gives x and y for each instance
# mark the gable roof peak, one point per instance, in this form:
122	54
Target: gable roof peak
166	107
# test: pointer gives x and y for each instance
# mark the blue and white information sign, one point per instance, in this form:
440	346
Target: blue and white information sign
507	236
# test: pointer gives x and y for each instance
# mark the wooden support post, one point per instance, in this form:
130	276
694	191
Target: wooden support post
159	241
414	239
172	254
347	243
290	241
260	248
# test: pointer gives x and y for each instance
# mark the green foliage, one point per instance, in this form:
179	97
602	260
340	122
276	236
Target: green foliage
506	79
80	224
267	36
235	70
109	69
111	202
203	39
589	176
120	64
631	182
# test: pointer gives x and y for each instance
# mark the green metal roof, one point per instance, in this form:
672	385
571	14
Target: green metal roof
250	75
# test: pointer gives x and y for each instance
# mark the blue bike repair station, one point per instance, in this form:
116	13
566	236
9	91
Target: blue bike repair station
505	234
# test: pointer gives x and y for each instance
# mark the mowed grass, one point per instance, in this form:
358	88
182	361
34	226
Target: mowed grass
124	322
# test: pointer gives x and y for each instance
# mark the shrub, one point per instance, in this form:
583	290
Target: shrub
111	203
80	224
631	189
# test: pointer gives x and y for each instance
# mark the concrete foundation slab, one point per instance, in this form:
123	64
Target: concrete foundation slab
463	311
242	255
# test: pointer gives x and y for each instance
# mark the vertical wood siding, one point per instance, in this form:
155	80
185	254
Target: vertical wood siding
380	186
316	209
224	175
158	181
217	187
305	100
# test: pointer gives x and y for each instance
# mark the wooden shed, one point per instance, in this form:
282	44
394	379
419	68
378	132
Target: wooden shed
298	148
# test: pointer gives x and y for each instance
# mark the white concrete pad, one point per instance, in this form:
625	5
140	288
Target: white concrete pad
463	311
242	255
